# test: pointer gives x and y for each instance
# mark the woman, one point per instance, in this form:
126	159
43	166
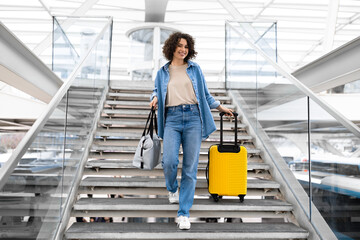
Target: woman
184	117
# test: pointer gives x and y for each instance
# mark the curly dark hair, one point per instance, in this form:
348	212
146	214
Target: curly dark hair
171	44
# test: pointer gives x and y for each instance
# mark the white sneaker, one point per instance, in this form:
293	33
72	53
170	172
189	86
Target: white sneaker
183	223
174	197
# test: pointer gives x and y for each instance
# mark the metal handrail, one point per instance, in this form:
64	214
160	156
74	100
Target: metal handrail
10	165
338	116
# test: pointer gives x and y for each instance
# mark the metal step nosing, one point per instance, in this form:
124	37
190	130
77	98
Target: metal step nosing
174	207
190	235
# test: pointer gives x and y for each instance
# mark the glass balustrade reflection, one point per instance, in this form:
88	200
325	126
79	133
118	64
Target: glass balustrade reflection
34	197
146	50
335	172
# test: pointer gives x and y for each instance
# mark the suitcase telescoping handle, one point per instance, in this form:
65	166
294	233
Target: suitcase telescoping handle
228	148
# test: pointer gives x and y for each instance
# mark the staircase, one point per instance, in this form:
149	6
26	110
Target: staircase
137	201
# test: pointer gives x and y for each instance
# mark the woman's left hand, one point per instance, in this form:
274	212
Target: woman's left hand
227	111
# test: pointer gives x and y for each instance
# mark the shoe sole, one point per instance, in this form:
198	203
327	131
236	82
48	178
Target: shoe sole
184	228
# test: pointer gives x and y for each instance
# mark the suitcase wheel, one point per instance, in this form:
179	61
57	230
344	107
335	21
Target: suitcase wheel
215	197
241	197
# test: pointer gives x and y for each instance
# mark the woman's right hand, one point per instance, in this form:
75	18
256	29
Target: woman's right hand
153	103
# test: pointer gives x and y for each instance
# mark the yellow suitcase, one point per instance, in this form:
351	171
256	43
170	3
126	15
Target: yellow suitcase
227	168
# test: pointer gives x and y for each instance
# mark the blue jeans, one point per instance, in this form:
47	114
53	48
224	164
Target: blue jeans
182	125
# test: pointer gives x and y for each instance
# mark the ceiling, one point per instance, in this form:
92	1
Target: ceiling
307	29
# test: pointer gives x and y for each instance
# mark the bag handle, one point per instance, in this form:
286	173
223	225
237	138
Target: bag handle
221	128
153	121
147	121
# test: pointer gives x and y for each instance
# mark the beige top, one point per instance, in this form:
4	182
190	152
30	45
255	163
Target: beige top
180	89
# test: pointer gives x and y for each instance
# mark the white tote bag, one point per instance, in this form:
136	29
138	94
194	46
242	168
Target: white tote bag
148	151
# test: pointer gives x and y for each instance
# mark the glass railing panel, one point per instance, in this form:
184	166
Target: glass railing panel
246	71
96	72
9	139
64	56
35	195
279	107
75	35
335	173
240	61
31	199
282	113
317	143
352	87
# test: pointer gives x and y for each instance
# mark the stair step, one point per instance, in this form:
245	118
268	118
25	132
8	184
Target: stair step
160	207
129	133
86	88
30	206
132	139
119	138
129	172
69	122
130	155
83	101
160	183
85	93
162	191
143	117
80	104
119	149
146	97
149	90
125	168
137	113
138	104
162	204
141	124
23	183
156	186
128	164
197	231
26	230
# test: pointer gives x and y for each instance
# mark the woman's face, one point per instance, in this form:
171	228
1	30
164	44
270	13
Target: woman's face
181	50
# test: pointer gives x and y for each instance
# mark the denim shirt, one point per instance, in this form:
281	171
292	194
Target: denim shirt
205	100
